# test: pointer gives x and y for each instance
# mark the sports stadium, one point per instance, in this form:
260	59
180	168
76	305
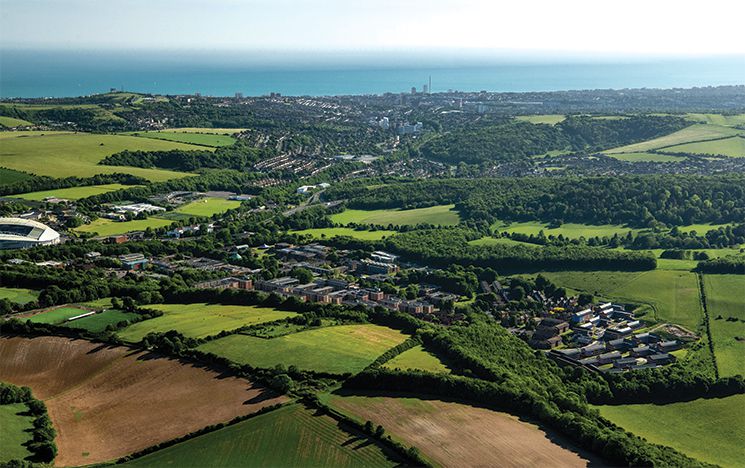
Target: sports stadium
17	233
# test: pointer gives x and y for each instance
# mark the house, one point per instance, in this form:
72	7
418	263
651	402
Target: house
625	363
607	358
667	346
641	351
593	349
545	343
581	316
660	359
133	261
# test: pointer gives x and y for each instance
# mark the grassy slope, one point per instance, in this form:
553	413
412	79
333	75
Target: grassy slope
725	297
288	436
13	432
78	154
337	349
733	147
73	193
203	139
108	227
646	157
718	119
19	295
215	131
441	214
570	230
551	119
417	358
695	132
332	232
13	122
709	430
200	320
207	207
9	176
99	322
57	316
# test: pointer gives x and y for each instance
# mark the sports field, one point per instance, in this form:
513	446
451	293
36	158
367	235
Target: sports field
207	207
107	227
288	436
672	295
65	154
15	427
57	316
337	349
19	295
696	132
570	230
200	320
733	147
455	434
73	193
13	122
107	401
202	139
438	215
725	300
551	119
711	430
326	233
646	157
98	322
417	358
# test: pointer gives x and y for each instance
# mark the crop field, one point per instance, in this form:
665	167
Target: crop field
77	154
455	434
725	299
550	119
200	320
13	122
99	322
14	431
439	215
207	207
646	157
696	132
326	233
73	193
202	139
417	358
672	295
19	295
710	430
107	227
288	436
107	402
337	349
569	230
733	147
9	176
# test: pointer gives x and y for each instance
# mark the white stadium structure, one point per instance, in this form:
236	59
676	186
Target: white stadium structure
17	233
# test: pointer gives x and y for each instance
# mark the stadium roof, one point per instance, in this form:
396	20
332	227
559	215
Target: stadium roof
12	229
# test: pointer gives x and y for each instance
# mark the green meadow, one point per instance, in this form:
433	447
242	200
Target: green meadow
287	436
417	358
570	230
98	322
725	299
200	320
646	157
710	430
718	119
336	349
696	132
438	215
15	430
107	227
10	122
207	207
57	316
550	119
73	193
326	233
9	176
19	295
66	154
202	139
733	147
214	131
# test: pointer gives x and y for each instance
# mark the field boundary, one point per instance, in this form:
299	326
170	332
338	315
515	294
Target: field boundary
707	319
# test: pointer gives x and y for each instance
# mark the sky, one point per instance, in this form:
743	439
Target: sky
593	28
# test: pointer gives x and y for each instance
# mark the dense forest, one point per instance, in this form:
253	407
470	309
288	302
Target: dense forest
239	156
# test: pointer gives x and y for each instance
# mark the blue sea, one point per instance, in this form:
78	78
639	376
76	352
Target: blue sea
67	73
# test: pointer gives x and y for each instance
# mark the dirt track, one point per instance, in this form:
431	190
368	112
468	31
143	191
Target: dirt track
107	402
458	435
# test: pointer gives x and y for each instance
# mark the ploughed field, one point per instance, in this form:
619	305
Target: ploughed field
455	434
107	402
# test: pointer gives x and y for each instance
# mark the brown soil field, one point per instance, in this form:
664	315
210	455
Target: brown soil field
457	435
107	402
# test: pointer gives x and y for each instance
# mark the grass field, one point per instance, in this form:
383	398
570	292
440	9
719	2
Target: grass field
57	316
107	227
214	131
99	322
417	358
439	215
78	154
455	434
207	207
725	298
14	431
696	132
551	119
200	320
733	147
646	157
108	401
13	122
288	436
9	176
202	139
321	233
73	193
569	230
711	430
19	295
672	295
337	349
718	119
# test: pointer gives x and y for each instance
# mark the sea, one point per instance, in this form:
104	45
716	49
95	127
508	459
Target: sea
35	73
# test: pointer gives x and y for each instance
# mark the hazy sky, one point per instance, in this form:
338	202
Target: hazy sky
636	27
